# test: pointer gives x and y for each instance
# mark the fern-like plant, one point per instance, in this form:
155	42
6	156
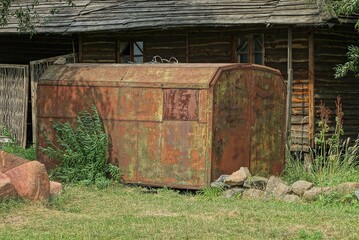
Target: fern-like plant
82	151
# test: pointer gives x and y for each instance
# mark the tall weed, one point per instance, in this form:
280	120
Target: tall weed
334	160
82	151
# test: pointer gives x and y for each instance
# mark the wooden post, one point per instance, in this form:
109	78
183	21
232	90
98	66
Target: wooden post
234	43
73	51
311	89
80	50
289	89
25	108
187	47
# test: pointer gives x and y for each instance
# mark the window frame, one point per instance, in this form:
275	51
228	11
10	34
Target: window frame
250	48
132	55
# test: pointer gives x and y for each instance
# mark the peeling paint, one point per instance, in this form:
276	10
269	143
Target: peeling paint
179	132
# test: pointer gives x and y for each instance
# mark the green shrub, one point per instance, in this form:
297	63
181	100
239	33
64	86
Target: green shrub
82	151
334	160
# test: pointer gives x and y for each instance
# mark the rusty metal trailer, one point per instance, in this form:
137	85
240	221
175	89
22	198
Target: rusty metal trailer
176	125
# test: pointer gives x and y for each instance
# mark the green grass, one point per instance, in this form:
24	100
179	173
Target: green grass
127	213
295	170
27	153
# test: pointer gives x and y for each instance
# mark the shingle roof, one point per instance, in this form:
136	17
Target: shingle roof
100	15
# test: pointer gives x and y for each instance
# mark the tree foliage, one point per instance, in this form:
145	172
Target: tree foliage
346	8
25	13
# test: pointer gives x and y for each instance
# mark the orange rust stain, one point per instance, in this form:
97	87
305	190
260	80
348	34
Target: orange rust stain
197	162
171	155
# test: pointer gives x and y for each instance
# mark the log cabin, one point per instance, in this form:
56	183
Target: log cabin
301	38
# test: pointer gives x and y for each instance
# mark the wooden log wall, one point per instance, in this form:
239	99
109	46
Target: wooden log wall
21	49
196	46
331	46
98	48
186	46
275	43
166	45
207	47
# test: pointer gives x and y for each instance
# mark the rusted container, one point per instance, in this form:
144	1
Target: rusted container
176	125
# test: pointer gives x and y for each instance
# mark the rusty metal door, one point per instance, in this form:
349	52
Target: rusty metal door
13	99
37	68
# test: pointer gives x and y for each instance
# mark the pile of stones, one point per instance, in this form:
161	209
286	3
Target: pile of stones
27	179
242	183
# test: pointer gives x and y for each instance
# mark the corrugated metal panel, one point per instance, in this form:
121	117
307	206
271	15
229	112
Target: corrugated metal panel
182	137
268	111
231	122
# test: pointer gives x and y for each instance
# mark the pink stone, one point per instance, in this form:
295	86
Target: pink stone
6	187
9	161
55	188
30	180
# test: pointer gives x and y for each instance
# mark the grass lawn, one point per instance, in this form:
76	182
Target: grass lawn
128	213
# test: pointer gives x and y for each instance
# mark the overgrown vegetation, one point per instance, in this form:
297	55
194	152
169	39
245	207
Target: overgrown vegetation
119	212
334	160
82	152
27	153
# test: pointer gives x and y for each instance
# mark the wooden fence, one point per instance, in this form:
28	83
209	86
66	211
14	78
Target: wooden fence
37	68
14	90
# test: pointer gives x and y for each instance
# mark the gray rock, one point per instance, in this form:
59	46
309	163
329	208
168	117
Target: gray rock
237	178
253	194
299	187
281	190
290	198
256	182
313	193
348	187
233	192
272	184
357	193
219	183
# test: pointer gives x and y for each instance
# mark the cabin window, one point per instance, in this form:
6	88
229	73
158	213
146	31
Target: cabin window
131	52
250	49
